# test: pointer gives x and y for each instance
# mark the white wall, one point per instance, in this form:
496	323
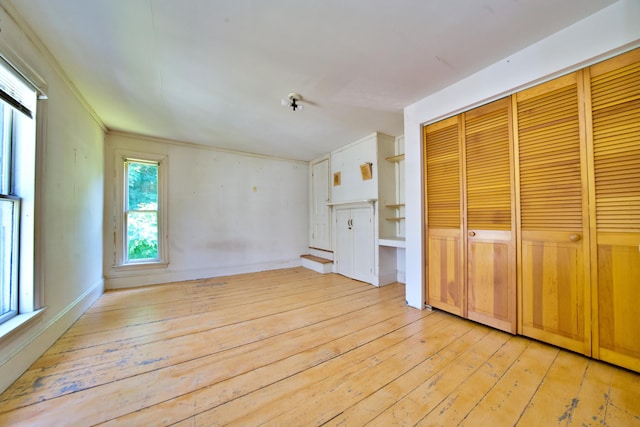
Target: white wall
347	160
611	31
229	212
71	187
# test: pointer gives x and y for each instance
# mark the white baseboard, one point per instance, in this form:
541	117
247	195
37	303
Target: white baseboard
30	344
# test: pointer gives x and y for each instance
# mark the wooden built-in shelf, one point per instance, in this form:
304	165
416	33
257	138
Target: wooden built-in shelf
397	158
395	218
399	205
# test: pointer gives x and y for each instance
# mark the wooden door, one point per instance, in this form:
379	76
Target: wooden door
490	227
552	214
355	243
344	243
363	243
614	116
445	274
320	212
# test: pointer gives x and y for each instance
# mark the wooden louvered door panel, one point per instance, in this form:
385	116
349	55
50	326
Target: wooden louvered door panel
491	254
615	153
444	245
552	213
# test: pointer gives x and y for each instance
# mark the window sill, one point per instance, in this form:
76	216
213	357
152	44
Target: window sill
140	266
19	322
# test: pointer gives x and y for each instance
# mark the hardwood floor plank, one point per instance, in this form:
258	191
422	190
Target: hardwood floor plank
555	400
466	396
77	347
317	406
294	347
593	398
504	403
423	399
141	360
274	399
385	397
147	314
206	398
623	399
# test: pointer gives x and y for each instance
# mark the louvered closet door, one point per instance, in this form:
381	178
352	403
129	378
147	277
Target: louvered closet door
491	255
553	217
615	118
444	245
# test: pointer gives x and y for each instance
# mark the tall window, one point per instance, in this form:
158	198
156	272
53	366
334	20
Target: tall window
17	194
141	211
141	223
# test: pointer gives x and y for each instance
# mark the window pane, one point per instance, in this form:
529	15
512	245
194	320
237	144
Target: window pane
142	180
9	294
142	235
5	148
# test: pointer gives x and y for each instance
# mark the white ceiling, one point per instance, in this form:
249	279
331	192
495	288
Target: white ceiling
213	72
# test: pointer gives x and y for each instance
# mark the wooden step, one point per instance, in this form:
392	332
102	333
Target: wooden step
317	259
316	263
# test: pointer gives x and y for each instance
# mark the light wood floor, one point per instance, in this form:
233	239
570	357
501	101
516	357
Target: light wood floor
293	347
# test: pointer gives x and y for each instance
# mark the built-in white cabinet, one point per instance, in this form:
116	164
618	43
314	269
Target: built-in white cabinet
356	209
355	241
362	178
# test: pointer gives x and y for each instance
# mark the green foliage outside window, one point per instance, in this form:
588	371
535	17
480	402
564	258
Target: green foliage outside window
142	215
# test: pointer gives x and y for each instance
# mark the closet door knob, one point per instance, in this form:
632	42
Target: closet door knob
472	233
575	237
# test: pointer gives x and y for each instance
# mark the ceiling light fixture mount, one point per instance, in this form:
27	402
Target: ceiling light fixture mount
293	101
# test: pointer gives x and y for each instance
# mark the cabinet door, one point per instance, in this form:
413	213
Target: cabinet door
344	243
320	212
363	243
553	214
491	255
444	244
615	152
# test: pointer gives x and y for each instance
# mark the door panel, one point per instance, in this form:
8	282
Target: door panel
344	243
614	114
491	255
618	281
491	297
445	278
553	282
552	213
363	243
320	212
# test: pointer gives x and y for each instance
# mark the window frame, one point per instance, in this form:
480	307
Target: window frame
25	155
121	260
129	212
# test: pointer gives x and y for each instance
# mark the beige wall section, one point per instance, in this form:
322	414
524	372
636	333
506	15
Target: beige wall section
229	212
71	180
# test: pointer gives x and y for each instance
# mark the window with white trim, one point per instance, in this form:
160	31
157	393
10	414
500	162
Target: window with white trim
141	236
17	195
